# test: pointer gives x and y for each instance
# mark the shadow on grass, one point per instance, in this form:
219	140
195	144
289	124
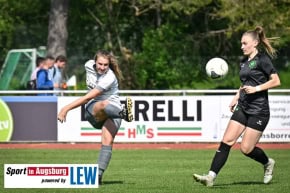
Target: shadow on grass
112	182
247	183
239	184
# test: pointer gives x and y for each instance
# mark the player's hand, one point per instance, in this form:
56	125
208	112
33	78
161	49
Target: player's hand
56	85
249	89
232	107
62	115
63	85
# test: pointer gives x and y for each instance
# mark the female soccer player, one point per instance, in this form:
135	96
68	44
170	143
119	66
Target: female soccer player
103	108
250	106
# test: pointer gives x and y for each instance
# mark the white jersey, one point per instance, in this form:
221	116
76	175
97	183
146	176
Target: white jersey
107	83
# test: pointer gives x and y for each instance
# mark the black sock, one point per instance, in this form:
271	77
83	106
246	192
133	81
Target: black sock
220	157
259	155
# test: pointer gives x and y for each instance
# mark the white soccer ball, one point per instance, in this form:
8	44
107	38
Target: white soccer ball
216	68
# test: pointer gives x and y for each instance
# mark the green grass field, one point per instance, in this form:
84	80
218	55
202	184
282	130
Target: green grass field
159	171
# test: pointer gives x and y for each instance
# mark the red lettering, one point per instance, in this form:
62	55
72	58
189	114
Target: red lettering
150	133
132	132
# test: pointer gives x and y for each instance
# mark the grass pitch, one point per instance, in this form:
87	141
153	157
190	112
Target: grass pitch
159	171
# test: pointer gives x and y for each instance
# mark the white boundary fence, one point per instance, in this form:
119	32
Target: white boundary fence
172	116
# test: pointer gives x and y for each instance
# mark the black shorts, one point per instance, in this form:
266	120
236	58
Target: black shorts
253	121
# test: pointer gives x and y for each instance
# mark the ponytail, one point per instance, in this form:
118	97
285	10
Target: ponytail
259	34
265	42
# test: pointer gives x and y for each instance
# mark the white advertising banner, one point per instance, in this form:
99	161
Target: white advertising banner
51	176
175	119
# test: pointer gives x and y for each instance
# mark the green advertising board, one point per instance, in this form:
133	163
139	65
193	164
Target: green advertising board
6	122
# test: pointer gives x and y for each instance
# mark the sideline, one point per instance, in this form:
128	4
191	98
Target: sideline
193	146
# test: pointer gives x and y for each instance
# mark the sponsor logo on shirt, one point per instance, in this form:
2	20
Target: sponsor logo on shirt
252	64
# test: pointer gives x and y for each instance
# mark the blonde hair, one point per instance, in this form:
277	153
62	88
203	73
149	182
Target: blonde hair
113	62
259	35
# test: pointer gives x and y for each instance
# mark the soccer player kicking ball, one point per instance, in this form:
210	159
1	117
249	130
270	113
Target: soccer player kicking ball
103	108
250	107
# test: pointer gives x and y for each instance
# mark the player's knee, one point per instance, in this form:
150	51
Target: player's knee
107	140
104	104
229	142
246	149
100	106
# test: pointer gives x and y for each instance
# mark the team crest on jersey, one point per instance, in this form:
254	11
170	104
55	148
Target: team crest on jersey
253	64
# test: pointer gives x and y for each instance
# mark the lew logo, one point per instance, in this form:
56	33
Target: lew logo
83	175
6	122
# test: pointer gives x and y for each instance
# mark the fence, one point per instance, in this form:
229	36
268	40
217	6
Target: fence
160	116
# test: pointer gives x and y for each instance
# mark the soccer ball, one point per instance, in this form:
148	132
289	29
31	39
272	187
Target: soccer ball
216	68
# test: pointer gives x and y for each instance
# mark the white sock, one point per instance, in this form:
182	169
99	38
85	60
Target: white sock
213	174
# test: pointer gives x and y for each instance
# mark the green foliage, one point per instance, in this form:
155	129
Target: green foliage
161	59
284	78
245	15
23	24
6	28
187	7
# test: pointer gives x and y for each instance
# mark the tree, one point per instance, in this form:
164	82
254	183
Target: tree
23	24
57	29
6	27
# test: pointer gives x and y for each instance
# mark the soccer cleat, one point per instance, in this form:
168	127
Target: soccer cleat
206	180
100	180
268	171
126	112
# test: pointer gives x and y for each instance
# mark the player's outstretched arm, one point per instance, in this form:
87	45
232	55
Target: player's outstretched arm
78	102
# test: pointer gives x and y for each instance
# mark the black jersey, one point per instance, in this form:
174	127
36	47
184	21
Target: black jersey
253	73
